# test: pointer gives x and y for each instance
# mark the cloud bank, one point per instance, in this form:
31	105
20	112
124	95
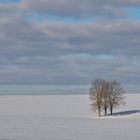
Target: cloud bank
34	51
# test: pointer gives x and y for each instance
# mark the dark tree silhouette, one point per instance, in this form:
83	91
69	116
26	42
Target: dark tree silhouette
115	95
105	95
96	95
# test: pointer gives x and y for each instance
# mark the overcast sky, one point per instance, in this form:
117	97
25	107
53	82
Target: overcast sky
70	41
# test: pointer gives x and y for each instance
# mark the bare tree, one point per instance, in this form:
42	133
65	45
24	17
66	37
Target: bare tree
105	104
96	95
106	95
115	95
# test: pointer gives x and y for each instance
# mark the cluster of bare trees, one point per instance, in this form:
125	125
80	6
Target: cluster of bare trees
106	95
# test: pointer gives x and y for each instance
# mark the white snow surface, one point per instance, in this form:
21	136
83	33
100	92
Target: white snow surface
66	117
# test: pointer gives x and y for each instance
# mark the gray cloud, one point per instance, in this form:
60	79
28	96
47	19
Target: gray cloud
115	37
8	9
80	8
69	46
54	52
69	69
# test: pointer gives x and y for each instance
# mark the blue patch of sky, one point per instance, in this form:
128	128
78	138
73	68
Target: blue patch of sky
10	1
105	56
133	13
43	17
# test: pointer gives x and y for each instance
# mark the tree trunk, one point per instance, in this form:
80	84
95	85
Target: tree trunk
99	112
105	109
111	110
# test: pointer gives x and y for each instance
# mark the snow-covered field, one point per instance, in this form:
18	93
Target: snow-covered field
66	117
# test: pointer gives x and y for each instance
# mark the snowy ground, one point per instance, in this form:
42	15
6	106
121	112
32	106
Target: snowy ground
65	118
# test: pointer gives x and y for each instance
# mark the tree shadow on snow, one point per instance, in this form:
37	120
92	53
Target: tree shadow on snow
124	113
